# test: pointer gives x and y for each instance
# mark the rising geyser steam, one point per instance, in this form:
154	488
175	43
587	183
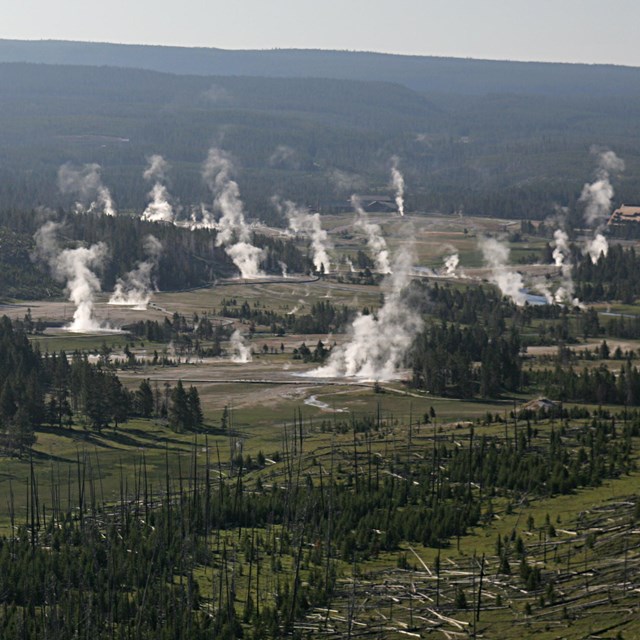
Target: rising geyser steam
86	184
284	157
240	351
398	184
496	257
297	308
596	247
202	218
377	345
309	225
346	182
135	288
562	260
157	168
233	231
160	208
597	197
375	242
451	263
76	268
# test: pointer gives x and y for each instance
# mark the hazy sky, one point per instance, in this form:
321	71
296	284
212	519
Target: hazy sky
558	30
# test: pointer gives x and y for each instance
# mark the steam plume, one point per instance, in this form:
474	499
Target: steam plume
496	257
310	225
346	182
247	258
86	184
562	259
240	351
159	209
597	197
233	231
202	218
560	247
376	243
541	287
284	157
297	308
74	266
157	168
451	265
398	184
597	247
135	288
377	344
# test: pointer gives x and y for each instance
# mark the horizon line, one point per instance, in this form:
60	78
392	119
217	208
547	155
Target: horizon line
322	50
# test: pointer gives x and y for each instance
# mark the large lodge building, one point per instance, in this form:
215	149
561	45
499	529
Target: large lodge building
624	214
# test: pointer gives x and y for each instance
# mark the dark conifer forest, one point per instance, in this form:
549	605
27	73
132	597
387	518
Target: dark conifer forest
503	139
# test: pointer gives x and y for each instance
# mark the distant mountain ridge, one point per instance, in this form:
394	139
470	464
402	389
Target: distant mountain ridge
310	139
420	73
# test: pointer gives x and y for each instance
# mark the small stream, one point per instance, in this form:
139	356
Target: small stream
313	401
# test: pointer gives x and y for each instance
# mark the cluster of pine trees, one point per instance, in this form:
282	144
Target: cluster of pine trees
444	357
597	386
322	317
199	335
61	390
22	379
185	412
613	277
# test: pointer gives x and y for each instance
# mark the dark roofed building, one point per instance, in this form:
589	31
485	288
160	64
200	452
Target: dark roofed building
377	204
370	203
625	213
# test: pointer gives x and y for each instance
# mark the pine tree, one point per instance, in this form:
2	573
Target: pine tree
20	431
144	400
179	416
8	405
196	417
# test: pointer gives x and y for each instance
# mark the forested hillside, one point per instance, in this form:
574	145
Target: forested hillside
188	258
316	141
422	73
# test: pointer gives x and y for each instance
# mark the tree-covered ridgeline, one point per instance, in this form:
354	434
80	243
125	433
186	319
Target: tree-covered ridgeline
189	258
316	140
19	276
